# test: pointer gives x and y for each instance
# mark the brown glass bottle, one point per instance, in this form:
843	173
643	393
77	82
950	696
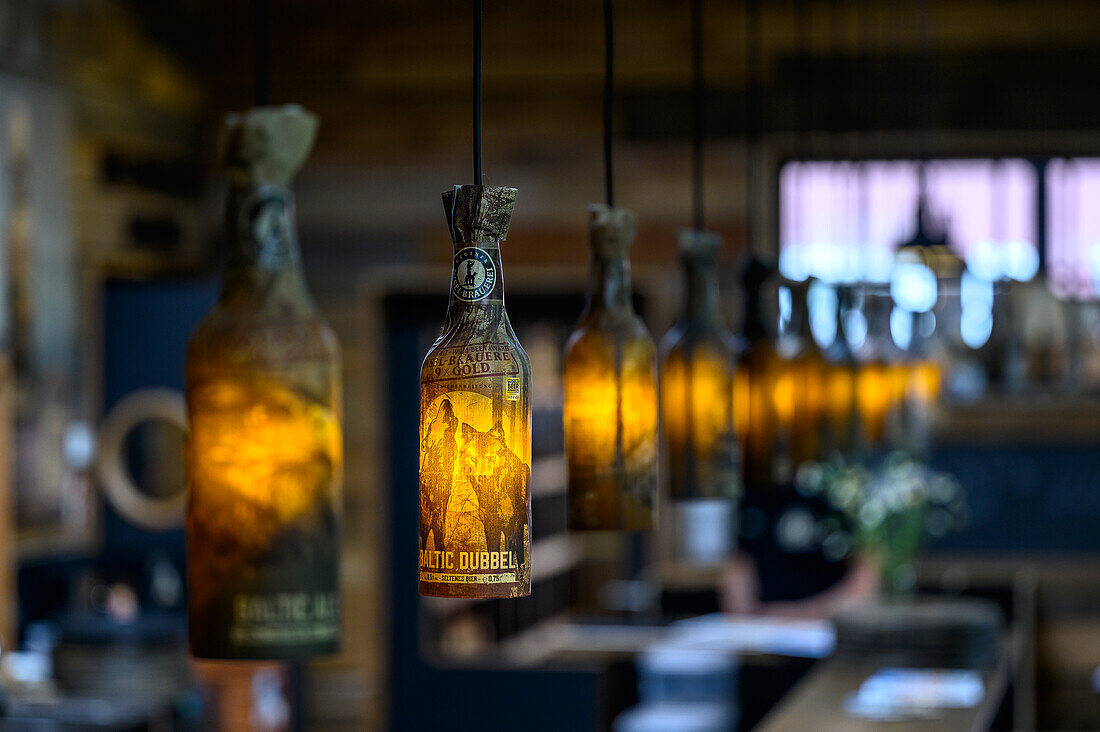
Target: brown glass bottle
475	419
609	385
923	383
698	361
804	398
264	453
764	443
882	375
842	419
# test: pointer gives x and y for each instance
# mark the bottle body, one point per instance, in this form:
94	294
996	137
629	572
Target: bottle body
882	376
768	384
766	440
697	384
697	411
609	389
841	376
475	440
264	454
802	397
609	386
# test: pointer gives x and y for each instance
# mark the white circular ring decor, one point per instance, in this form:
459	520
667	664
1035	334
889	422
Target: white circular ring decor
143	405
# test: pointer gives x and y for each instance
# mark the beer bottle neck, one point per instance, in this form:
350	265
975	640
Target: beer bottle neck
700	290
609	288
756	326
262	260
802	313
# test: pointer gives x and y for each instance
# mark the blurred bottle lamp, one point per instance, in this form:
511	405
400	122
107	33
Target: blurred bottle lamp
610	393
755	402
801	399
697	408
922	264
841	419
265	454
698	357
880	380
609	380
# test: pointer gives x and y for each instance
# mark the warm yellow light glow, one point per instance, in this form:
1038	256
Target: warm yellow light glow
696	409
264	461
761	437
742	402
783	399
840	406
807	405
475	464
924	382
610	432
876	396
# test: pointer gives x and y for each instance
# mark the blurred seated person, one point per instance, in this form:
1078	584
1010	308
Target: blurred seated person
782	569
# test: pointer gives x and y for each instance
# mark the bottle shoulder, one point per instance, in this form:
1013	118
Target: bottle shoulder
460	344
593	348
683	337
594	333
760	354
229	337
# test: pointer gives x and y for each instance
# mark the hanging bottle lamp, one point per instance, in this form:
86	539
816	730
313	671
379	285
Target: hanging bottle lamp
263	392
475	416
801	398
265	449
697	366
842	422
609	379
765	441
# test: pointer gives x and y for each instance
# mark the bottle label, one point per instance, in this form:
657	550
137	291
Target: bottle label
263	521
475	445
264	228
475	275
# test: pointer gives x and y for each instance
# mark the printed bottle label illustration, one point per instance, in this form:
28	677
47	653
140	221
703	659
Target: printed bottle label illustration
474	474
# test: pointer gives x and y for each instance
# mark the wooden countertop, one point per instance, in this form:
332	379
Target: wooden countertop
817	703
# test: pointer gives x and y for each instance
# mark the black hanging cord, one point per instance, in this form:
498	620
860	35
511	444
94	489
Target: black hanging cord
608	97
754	61
698	123
806	33
754	115
477	92
262	89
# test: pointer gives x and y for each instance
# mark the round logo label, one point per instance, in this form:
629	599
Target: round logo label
264	225
475	274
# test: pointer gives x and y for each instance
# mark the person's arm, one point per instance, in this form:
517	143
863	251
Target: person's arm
739	591
859	586
739	588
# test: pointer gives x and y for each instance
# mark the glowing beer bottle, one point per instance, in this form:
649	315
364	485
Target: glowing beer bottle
765	443
801	396
609	385
698	356
475	419
842	419
264	453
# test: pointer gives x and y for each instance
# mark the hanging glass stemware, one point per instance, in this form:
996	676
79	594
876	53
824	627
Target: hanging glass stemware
264	456
475	419
610	391
697	382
